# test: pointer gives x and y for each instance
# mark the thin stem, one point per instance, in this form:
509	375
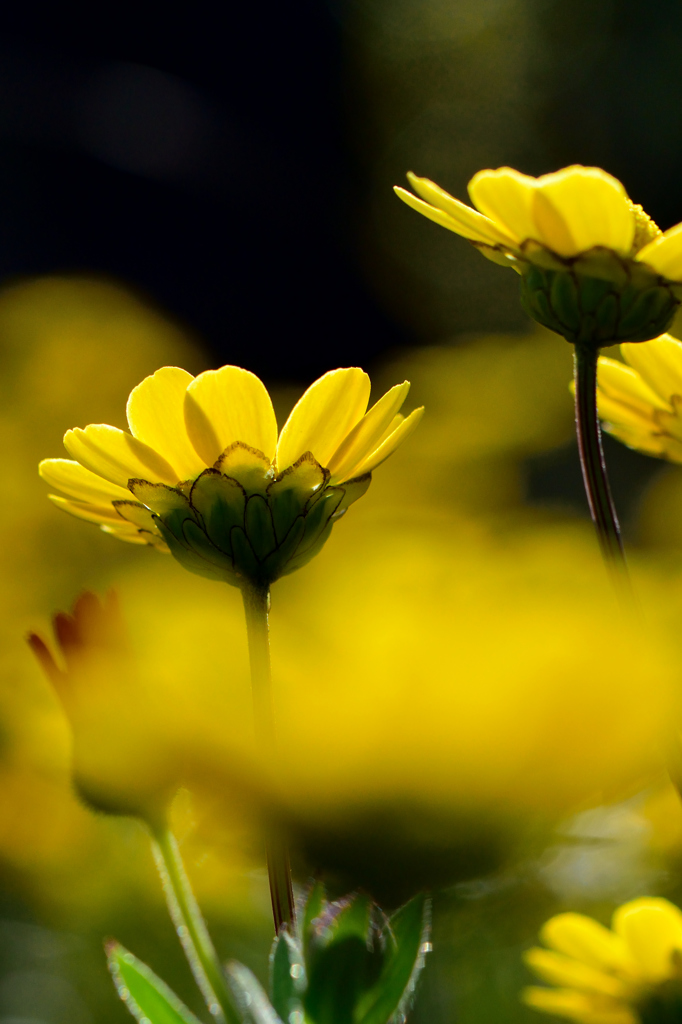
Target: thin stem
256	608
593	465
191	928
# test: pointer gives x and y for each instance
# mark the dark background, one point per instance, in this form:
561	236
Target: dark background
233	162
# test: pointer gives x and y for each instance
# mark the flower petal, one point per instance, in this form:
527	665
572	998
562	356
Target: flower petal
506	196
156	416
624	384
459	217
652	929
389	445
367	434
323	416
577	1006
128	533
580	207
664	254
564	971
227	405
85	510
584	939
79	482
116	455
659	363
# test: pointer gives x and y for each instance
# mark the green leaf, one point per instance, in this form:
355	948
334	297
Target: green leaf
287	975
146	996
313	908
407	935
254	1006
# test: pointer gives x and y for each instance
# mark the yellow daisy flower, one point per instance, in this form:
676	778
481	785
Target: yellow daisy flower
631	974
203	474
640	401
594	267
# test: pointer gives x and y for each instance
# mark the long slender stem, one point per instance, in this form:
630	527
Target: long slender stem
593	465
191	928
256	608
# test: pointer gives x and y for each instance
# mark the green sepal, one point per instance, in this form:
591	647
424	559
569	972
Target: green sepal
352	491
250	466
146	996
245	561
259	527
319	515
252	1002
187	558
302	558
135	513
287	975
277	563
200	545
168	503
289	493
220	501
406	937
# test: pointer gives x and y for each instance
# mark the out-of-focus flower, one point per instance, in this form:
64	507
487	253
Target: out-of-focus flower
631	974
119	764
594	267
214	484
640	401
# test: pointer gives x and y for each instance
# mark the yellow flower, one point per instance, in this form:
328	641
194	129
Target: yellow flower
641	403
594	267
626	975
120	762
203	473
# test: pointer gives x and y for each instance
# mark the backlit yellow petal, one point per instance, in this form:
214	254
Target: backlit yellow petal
659	363
624	384
129	534
581	937
79	482
156	416
664	254
367	434
577	1006
479	227
116	455
227	405
387	447
580	207
86	510
620	413
652	929
506	196
323	416
564	971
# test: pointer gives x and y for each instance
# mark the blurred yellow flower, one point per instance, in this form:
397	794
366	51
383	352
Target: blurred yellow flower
626	975
214	484
594	266
120	762
641	403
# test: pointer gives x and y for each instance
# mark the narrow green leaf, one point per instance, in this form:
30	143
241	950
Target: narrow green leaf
147	997
254	1005
287	975
407	936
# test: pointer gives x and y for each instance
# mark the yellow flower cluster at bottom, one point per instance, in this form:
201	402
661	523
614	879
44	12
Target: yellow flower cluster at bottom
629	974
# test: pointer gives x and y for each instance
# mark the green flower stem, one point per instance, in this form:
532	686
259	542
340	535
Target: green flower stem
256	607
593	465
191	928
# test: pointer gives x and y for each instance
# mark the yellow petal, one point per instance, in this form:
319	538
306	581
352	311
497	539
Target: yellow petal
623	384
659	363
323	416
664	254
564	971
79	482
367	434
156	416
506	197
463	219
619	413
580	207
227	405
85	510
387	447
584	939
116	455
133	536
652	929
577	1006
